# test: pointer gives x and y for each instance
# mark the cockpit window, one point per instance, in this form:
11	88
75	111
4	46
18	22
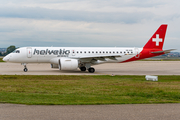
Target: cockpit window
16	51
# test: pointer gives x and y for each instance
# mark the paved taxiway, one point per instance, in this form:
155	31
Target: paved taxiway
90	112
131	68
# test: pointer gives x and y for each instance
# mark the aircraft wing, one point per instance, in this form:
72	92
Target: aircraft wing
164	51
101	57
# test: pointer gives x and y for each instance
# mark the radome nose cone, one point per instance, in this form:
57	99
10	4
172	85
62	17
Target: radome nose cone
5	58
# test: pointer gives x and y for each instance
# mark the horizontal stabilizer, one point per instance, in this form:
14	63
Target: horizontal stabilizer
164	51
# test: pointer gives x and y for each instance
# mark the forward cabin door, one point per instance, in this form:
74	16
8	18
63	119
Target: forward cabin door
29	52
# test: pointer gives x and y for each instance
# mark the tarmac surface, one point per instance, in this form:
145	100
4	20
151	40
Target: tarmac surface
131	68
93	112
90	112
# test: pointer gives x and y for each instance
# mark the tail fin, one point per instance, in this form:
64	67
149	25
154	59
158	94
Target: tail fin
157	40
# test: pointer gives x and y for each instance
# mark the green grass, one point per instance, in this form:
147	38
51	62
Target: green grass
81	90
1	60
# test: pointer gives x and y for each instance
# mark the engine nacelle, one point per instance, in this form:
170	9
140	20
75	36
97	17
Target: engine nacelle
64	63
54	66
68	64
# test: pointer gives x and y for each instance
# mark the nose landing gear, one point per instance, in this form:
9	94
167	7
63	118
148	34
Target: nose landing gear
25	68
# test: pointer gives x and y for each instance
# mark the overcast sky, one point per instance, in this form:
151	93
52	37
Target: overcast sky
92	23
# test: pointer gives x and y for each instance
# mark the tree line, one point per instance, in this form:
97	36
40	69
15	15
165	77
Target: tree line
8	50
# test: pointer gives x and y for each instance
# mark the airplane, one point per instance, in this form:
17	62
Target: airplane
72	58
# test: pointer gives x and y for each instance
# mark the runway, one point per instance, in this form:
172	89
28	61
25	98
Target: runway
131	68
90	112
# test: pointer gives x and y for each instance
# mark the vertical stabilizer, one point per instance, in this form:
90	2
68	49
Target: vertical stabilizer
157	40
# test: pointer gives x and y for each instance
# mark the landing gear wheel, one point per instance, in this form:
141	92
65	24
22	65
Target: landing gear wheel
25	69
83	68
91	70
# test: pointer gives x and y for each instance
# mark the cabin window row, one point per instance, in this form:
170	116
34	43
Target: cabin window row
103	52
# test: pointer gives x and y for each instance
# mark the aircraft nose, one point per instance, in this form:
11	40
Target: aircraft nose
5	58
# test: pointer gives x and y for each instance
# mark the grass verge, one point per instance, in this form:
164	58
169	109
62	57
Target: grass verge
83	90
1	60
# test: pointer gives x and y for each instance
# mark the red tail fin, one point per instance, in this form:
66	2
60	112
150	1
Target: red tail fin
157	40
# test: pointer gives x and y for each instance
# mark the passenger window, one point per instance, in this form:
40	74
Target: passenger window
106	51
110	52
77	52
96	51
92	51
89	52
80	51
113	52
84	51
117	51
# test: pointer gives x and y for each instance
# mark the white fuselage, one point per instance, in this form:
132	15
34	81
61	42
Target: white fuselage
46	54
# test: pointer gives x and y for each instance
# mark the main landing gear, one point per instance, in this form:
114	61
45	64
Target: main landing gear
83	68
25	68
91	69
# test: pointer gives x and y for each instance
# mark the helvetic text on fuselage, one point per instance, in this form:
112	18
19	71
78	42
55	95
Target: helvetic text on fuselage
61	52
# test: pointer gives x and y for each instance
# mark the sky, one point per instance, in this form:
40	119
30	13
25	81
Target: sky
87	23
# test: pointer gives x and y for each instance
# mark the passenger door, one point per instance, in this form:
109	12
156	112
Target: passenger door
29	52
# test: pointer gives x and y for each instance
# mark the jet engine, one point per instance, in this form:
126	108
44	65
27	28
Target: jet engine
68	64
65	63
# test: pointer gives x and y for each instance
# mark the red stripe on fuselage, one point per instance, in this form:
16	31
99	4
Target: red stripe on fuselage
145	53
